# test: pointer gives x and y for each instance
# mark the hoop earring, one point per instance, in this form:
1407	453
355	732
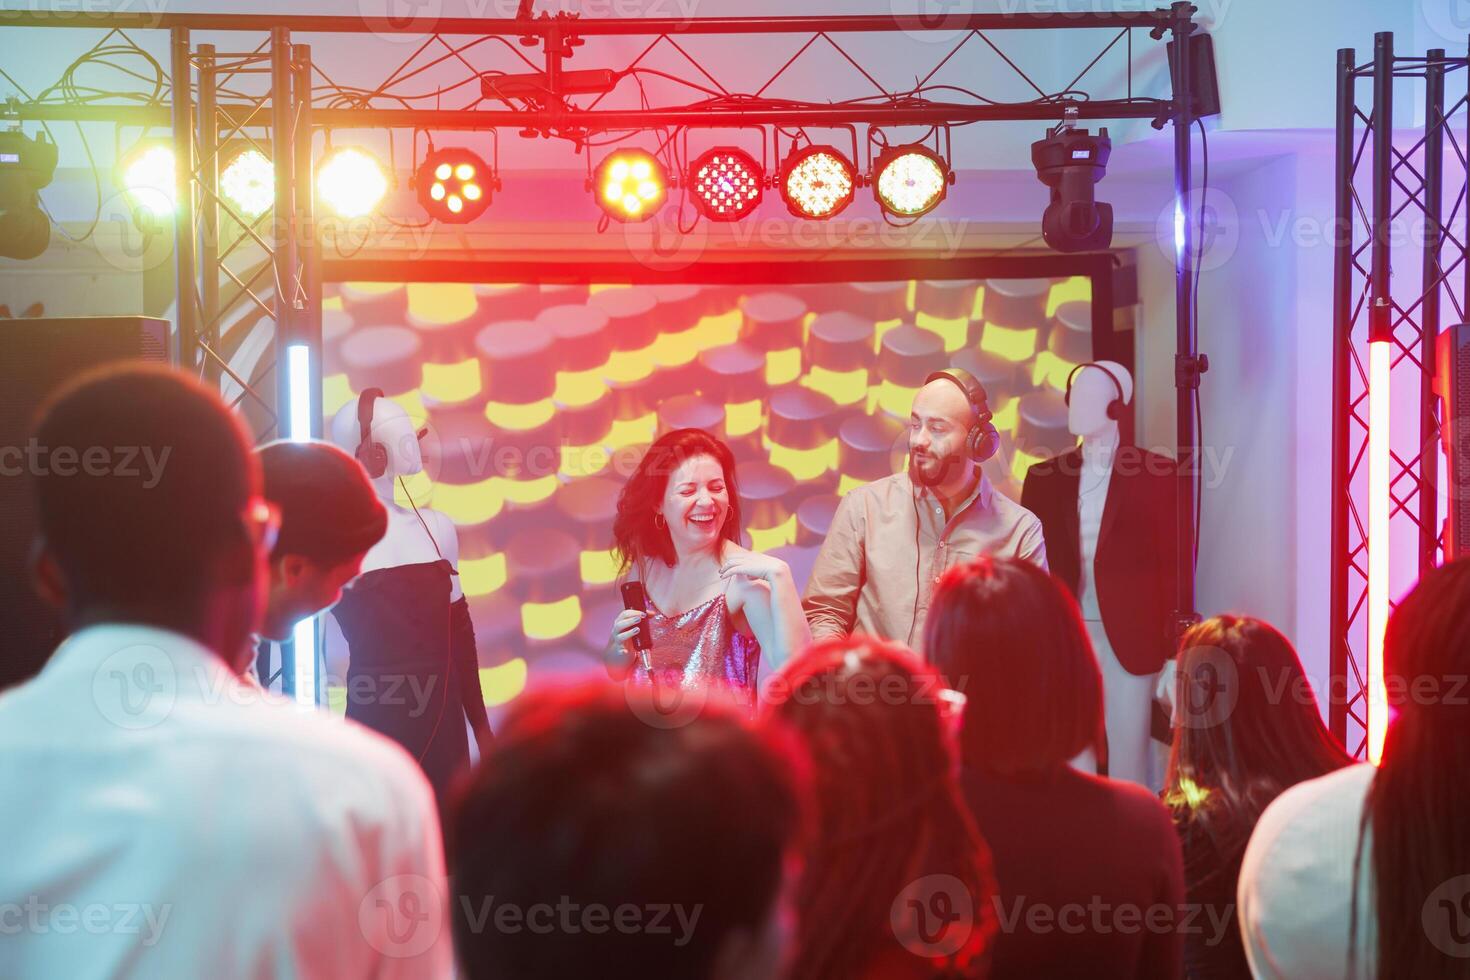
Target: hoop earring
658	521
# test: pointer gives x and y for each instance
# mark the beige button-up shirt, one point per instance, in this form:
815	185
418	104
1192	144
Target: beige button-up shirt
868	578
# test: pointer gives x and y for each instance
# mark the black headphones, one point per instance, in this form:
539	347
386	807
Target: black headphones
1115	407
982	441
372	455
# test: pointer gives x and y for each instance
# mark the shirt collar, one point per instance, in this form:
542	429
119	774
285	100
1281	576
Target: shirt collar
979	498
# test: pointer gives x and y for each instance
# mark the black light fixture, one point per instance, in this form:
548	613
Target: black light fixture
1070	161
454	185
27	164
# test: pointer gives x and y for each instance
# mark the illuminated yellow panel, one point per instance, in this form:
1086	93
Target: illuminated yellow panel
577	389
551	620
441	302
482	576
764	539
519	418
882	327
911	295
843	387
977	312
599	287
783	366
1007	415
1021	462
332	303
452	382
337	701
472	503
336	392
849	483
633	432
629	365
1051	369
1014	344
676	349
579	461
1075	288
954	329
804	464
896	399
526	491
599	567
500	685
743	418
716	330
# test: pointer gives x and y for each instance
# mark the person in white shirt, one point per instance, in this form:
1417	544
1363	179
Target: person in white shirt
1366	872
165	819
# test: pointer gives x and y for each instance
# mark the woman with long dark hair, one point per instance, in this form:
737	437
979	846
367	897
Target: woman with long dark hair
888	814
1081	862
1365	872
1247	727
712	606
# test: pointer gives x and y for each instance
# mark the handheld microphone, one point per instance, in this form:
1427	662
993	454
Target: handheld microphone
634	598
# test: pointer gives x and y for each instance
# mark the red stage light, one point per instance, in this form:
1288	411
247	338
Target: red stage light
454	185
727	183
817	182
630	185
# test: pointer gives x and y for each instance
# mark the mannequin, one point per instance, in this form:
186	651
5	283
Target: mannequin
412	669
1107	511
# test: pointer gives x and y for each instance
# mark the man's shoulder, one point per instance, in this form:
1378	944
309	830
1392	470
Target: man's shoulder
335	743
882	490
1011	509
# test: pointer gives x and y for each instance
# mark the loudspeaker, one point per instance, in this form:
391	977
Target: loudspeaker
36	357
1204	87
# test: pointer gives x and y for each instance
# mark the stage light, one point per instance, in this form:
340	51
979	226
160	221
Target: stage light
817	182
26	166
248	183
631	185
350	181
1070	161
1380	368
727	183
454	185
910	180
149	177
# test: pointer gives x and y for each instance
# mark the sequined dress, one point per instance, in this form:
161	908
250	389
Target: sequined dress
701	647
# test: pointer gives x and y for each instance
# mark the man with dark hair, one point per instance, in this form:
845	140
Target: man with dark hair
603	838
195	825
330	517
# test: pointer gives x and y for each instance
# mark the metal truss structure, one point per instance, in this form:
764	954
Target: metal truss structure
1380	187
543	97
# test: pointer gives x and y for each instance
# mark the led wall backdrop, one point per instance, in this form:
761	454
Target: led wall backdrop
538	401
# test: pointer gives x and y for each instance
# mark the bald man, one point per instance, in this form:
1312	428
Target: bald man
892	539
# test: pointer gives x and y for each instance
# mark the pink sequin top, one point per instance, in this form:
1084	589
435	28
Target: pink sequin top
701	647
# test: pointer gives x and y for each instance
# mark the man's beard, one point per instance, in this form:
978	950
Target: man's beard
935	469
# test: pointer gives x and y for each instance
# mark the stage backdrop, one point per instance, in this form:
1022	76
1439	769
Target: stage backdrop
539	399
